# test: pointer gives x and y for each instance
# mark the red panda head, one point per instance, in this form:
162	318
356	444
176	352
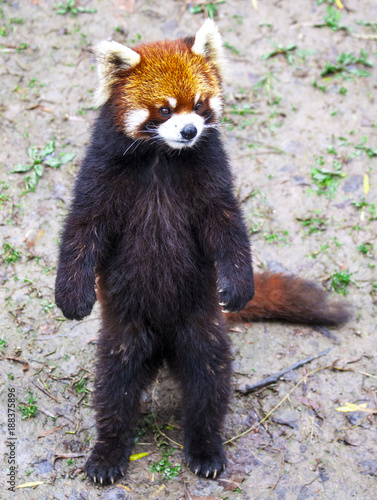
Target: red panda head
168	90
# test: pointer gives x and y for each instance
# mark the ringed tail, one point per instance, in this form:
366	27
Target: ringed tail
293	299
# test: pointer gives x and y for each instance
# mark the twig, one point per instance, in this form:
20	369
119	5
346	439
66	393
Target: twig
165	436
277	406
274	378
68	456
45	392
364	36
281	470
365	373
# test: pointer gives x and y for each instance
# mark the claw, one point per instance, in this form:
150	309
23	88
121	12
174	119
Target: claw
112	480
101	480
215	474
207	473
224	466
95	479
196	472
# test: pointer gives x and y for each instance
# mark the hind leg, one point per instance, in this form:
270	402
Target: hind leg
201	360
127	363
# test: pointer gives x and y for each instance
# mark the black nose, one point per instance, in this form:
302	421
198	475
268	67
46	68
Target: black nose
189	131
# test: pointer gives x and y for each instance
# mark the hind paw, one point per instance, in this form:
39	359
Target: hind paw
105	470
205	465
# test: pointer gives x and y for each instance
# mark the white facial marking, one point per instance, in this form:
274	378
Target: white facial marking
216	104
197	97
172	101
134	119
170	131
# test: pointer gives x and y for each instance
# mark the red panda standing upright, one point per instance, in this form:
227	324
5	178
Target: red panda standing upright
155	221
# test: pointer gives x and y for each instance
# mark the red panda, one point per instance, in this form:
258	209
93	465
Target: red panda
156	234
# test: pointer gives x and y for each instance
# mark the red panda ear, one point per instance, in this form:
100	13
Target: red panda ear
111	57
208	43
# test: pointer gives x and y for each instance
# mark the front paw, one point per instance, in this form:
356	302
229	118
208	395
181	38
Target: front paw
74	304
233	298
106	467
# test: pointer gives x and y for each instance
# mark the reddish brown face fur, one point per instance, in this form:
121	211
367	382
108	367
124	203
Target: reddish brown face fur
169	76
169	69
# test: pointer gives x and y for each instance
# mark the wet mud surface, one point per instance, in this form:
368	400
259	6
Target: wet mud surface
301	129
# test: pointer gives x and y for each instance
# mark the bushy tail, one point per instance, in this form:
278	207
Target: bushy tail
289	298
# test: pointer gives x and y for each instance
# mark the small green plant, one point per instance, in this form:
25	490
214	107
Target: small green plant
370	208
210	8
164	467
370	152
245	110
332	19
366	249
72	8
28	409
275	237
368	24
340	282
287	52
39	158
316	85
10	254
345	66
3	344
3	197
314	224
291	53
266	84
327	181
46	305
227	45
81	385
33	82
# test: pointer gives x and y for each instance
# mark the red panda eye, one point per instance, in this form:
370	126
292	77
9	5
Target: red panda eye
165	111
198	106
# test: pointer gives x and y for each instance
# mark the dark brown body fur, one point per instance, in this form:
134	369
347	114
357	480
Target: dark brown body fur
163	235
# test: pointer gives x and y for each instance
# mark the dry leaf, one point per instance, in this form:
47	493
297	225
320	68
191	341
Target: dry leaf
30	485
136	456
124	487
158	491
366	184
19	360
354	407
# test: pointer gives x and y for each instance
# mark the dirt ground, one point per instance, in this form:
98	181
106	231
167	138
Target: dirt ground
301	128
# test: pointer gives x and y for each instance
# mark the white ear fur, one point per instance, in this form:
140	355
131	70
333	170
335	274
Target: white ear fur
111	57
208	43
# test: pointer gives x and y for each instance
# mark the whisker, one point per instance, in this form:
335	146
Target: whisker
130	146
